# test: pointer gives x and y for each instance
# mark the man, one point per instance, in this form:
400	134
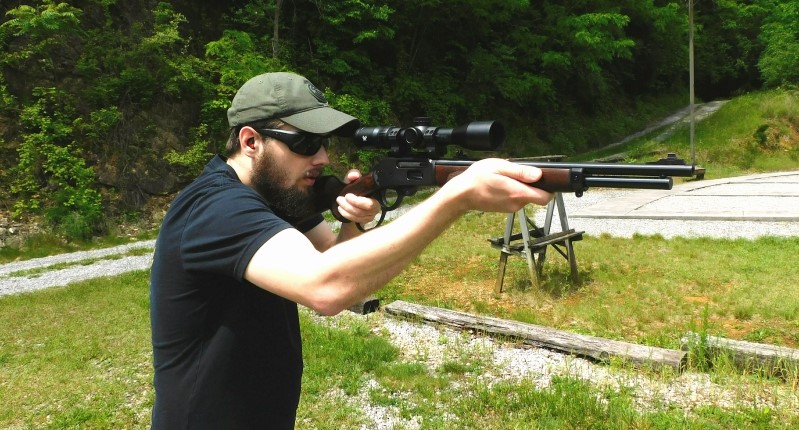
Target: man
241	246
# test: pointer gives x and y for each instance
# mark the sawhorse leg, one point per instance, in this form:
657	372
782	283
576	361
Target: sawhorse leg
557	202
504	252
524	227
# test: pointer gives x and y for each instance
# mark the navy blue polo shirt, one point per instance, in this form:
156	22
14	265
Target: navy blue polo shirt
226	353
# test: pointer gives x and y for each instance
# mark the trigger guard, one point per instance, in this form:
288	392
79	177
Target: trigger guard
390	207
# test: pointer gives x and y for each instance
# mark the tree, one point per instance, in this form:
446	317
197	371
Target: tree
779	63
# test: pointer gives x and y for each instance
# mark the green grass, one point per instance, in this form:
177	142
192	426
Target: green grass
647	290
79	357
756	132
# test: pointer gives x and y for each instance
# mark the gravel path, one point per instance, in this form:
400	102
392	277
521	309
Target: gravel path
31	275
72	267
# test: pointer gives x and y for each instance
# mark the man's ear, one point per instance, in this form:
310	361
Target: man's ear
247	140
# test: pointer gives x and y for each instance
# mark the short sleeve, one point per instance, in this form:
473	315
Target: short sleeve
225	229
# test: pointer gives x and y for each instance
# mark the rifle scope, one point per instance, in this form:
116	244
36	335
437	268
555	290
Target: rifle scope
477	136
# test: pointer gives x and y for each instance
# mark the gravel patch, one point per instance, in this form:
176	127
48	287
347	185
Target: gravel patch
434	345
101	262
73	257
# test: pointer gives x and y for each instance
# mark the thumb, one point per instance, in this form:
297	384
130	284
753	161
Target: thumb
352	176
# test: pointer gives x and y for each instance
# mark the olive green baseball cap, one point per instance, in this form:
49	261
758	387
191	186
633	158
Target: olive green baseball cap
292	99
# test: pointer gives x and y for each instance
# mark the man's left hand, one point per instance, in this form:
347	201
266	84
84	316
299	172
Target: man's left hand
357	209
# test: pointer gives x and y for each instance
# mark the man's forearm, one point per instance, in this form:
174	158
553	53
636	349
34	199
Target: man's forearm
348	231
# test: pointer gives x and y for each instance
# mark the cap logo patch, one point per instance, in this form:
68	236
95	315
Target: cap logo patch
316	93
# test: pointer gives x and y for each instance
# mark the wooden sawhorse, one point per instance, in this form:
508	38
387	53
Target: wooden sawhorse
533	241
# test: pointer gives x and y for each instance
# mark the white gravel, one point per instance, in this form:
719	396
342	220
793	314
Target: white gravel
31	275
432	346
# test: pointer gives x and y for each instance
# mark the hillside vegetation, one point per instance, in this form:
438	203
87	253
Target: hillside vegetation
108	105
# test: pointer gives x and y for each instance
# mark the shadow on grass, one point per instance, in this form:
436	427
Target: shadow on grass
556	282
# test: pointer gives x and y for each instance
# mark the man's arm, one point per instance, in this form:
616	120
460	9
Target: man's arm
290	266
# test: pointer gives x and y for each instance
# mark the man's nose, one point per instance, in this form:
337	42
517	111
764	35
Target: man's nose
320	158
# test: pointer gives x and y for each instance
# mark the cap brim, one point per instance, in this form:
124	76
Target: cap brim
323	120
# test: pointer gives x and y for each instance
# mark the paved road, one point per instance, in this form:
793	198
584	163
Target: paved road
740	207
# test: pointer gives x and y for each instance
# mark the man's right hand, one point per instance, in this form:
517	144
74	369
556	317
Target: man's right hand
495	185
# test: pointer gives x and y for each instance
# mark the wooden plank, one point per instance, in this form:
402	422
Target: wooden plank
751	356
540	241
585	346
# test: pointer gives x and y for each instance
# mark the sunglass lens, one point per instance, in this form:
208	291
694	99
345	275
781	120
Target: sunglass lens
310	144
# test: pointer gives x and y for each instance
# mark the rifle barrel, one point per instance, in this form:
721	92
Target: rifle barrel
617	169
598	169
628	182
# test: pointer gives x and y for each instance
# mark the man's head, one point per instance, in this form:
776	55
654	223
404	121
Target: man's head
279	123
289	98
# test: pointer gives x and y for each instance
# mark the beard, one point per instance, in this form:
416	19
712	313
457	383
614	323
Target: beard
292	203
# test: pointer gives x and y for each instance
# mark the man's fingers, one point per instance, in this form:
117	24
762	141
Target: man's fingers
357	209
519	172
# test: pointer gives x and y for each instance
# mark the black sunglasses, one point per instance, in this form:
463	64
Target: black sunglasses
298	142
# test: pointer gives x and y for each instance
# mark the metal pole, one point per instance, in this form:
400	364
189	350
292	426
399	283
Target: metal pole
691	74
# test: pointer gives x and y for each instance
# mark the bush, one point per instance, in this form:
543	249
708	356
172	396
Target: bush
51	177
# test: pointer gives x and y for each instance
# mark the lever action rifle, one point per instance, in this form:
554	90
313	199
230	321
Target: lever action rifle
415	159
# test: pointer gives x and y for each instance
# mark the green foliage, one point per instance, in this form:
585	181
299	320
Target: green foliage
727	45
43	28
348	24
50	175
233	59
150	82
779	63
180	73
196	156
141	64
7	101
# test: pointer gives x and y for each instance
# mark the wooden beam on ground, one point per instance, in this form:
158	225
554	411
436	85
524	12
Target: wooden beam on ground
585	346
749	356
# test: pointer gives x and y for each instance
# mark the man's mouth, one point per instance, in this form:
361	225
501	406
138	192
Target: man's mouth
311	176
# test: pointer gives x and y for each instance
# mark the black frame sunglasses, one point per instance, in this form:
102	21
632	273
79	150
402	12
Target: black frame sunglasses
298	142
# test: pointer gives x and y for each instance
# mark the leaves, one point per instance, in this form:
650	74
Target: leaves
779	63
150	82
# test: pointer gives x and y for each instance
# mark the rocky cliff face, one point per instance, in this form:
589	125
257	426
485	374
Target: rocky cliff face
13	233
